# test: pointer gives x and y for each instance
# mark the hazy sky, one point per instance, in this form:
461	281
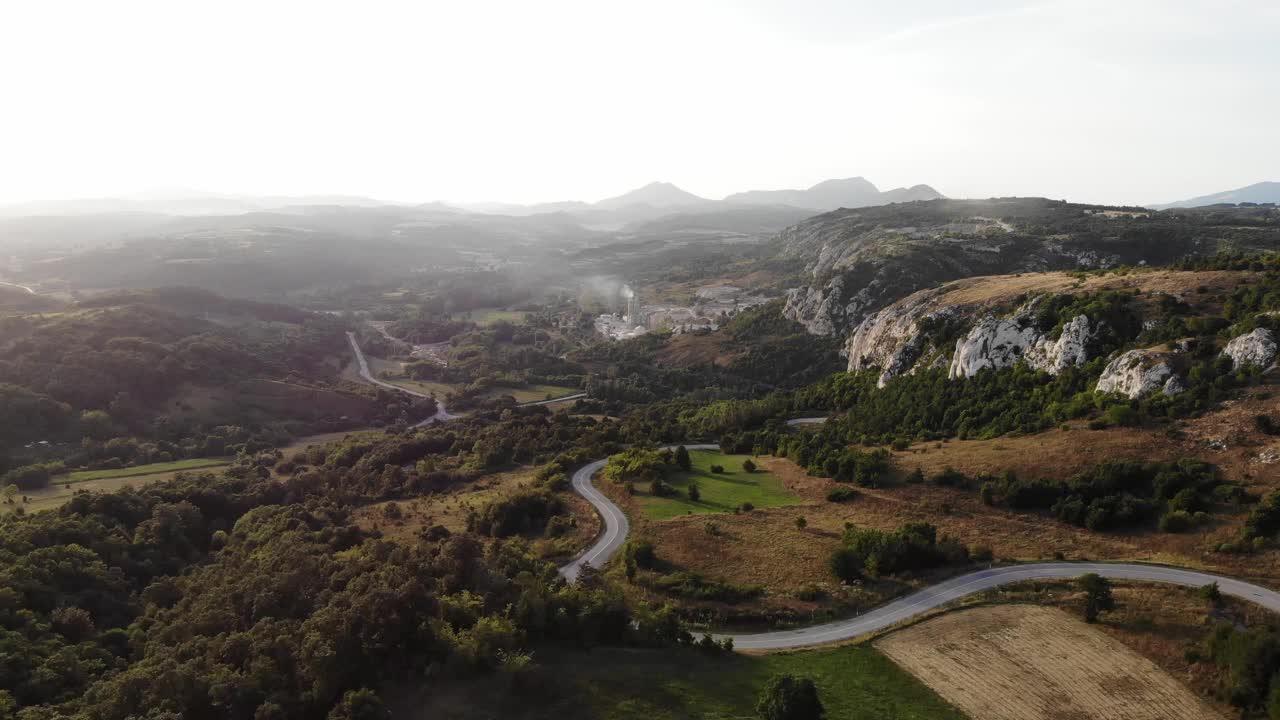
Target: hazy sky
531	100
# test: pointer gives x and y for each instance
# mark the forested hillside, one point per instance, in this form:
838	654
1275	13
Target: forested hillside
160	375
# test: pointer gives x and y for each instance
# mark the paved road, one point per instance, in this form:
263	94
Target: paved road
553	400
976	582
806	421
441	415
617	527
20	287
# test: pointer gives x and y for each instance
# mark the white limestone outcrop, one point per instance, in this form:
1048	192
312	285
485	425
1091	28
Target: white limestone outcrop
992	344
895	340
999	343
1139	372
1255	348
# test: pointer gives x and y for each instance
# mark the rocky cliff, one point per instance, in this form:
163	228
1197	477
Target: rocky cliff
861	260
992	322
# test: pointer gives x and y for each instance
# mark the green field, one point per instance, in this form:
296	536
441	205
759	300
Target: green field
152	469
854	683
721	492
489	316
440	390
533	393
64	487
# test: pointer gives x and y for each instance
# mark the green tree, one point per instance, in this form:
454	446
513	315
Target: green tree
97	424
748	465
787	697
695	494
10	491
362	704
1212	594
1097	595
683	461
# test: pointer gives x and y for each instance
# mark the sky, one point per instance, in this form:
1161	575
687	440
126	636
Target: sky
1115	101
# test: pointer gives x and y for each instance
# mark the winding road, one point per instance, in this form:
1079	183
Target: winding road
20	287
441	415
930	598
616	528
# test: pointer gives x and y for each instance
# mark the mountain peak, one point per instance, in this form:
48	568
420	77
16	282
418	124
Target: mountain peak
1262	192
836	193
657	194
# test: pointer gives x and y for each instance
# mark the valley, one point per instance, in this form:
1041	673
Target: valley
892	413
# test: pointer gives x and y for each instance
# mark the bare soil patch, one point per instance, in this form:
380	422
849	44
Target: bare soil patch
1019	662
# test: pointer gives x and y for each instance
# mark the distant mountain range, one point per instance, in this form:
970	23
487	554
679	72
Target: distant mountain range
1263	192
832	194
647	201
182	202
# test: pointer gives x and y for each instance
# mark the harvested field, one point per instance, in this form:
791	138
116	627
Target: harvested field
1020	662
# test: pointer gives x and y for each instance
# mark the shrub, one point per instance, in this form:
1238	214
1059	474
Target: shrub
1176	521
693	586
1097	595
1211	594
661	488
913	546
694	493
683	461
801	523
748	465
841	494
809	593
1267	425
641	552
787	697
521	512
951	477
717	469
746	507
560	525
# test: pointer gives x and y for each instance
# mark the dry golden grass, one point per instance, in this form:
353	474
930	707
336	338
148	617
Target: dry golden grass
1019	662
306	441
1061	453
1002	288
689	349
765	548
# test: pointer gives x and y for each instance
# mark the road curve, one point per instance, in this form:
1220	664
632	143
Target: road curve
20	287
930	598
441	415
959	587
549	401
796	422
616	526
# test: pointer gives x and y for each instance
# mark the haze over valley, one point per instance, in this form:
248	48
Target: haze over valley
640	361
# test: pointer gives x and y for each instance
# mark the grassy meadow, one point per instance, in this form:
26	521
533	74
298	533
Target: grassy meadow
854	683
720	492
